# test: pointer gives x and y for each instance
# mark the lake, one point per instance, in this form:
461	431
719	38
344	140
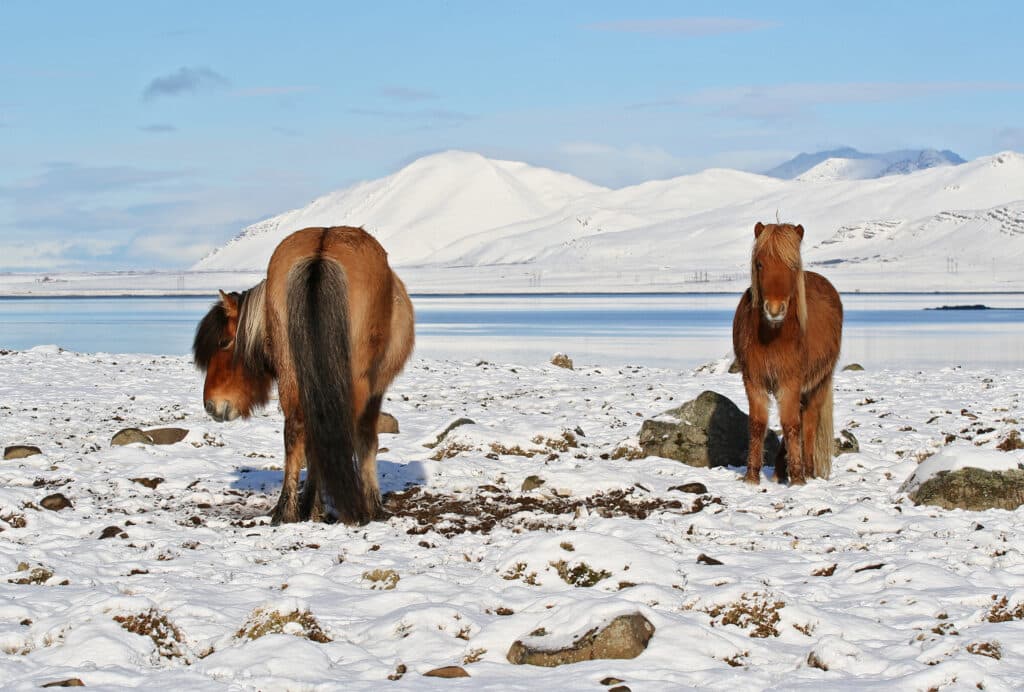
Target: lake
666	330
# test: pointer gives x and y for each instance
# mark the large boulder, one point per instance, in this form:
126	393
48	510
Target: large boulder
972	488
708	431
624	637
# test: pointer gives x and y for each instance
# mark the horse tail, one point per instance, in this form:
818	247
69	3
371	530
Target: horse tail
823	442
320	345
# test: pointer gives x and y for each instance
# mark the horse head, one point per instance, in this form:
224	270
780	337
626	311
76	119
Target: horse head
776	273
237	380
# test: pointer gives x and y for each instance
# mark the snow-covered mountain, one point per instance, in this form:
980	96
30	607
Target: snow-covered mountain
848	163
484	224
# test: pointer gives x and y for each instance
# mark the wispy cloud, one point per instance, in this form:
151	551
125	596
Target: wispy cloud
684	26
408	95
437	114
779	101
159	128
184	81
1010	138
273	90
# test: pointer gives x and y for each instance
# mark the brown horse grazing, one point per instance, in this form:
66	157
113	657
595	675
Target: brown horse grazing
333	324
786	336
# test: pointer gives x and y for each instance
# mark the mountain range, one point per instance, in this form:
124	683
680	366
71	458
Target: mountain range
463	222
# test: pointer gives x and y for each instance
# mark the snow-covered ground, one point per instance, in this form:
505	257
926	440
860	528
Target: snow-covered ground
850	585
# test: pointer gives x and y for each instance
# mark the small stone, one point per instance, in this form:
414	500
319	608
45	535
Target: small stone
1011	443
387	424
21	451
734	367
55	502
611	681
130	436
150	483
166	436
846	443
708	560
447	672
853	367
562	361
70	682
531	483
113	532
691	488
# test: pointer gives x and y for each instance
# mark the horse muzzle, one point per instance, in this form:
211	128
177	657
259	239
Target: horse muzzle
774	312
221	411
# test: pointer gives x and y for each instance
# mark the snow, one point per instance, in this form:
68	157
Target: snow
458	222
909	603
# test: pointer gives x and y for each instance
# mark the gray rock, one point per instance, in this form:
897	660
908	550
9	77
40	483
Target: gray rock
708	431
21	451
166	436
387	424
846	443
624	637
55	502
973	489
854	367
129	436
531	483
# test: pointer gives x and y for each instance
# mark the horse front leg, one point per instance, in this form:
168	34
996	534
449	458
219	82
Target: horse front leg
757	400
789	415
287	509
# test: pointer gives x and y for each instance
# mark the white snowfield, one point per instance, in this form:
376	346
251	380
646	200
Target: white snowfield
459	221
843	584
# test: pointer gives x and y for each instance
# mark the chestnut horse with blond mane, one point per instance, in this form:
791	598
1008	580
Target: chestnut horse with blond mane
333	325
786	335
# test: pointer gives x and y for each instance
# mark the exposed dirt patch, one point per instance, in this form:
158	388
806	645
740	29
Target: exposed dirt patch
489	506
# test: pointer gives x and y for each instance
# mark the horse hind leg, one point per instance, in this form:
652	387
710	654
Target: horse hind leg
288	509
366	449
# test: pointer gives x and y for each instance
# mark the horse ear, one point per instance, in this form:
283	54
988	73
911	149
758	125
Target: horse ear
758	227
229	303
800	231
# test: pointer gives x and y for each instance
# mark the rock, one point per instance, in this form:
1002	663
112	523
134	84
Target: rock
166	436
846	443
21	451
129	436
55	502
691	488
973	489
561	360
70	682
708	431
1011	443
531	483
459	422
708	560
853	367
734	367
447	672
624	637
150	483
387	424
113	532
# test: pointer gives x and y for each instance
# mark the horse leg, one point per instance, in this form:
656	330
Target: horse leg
366	441
758	402
287	510
789	414
781	464
811	414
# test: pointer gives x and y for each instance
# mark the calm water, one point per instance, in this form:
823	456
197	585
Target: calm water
663	330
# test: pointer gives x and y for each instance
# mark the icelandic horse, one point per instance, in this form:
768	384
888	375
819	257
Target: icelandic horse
333	325
786	336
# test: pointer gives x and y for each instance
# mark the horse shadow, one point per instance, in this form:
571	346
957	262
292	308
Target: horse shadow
391	476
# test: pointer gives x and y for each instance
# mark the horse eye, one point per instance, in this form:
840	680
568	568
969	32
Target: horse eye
759	267
225	344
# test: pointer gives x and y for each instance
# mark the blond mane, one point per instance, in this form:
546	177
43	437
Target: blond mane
781	242
250	338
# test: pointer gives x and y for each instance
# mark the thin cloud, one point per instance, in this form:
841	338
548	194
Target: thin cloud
184	81
1010	138
684	26
421	114
408	95
273	90
159	129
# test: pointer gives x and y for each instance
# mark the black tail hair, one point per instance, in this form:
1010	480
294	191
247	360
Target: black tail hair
319	340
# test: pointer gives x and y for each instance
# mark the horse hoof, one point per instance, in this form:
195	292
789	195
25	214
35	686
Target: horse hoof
752	480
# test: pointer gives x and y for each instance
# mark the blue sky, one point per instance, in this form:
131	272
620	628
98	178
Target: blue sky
142	134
